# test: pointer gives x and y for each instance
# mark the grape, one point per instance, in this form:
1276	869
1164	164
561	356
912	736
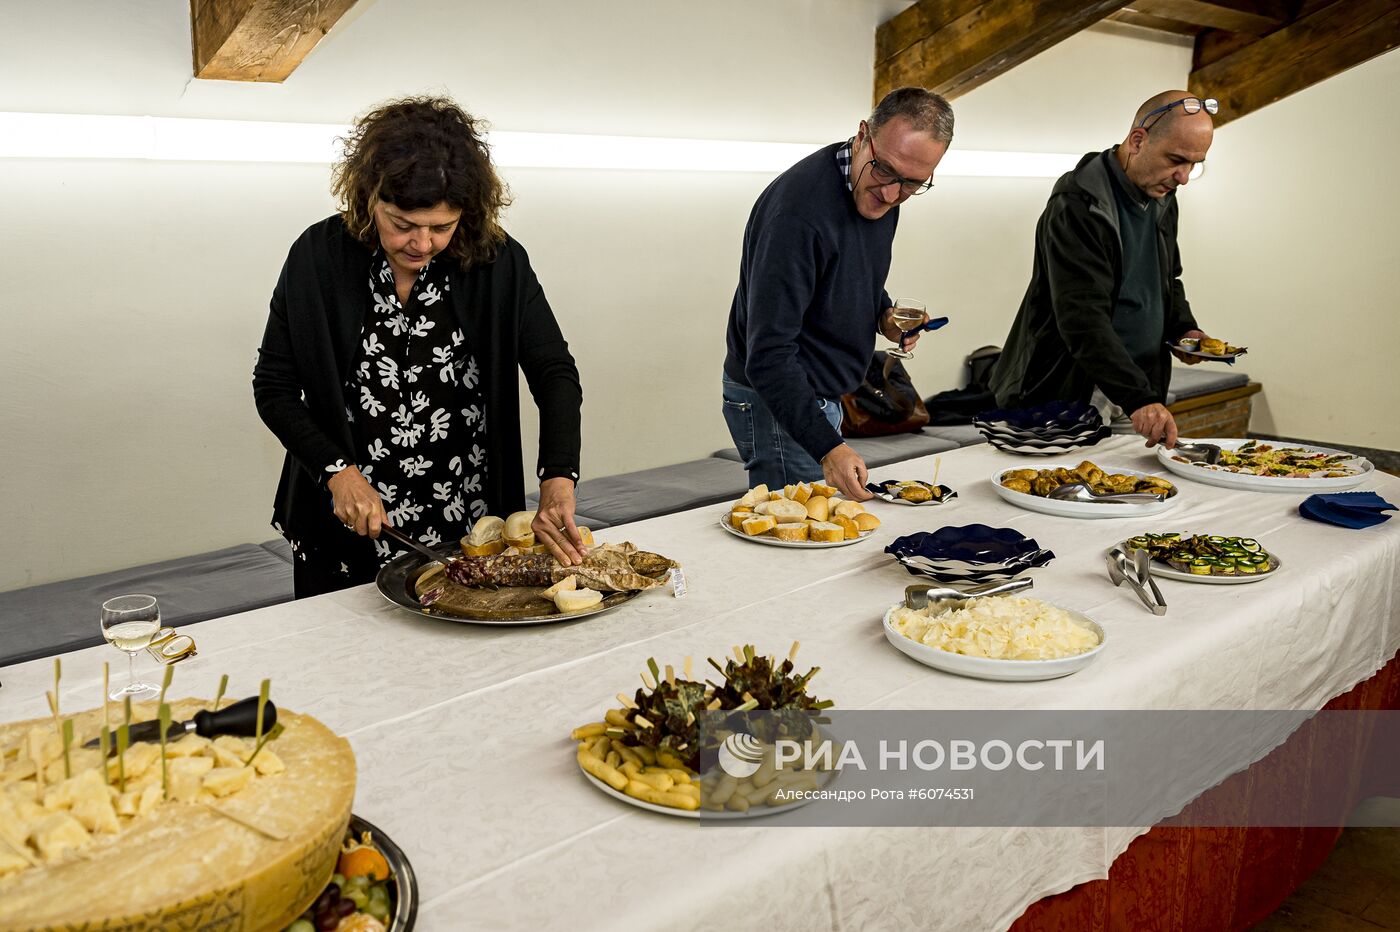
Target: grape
379	909
338	880
326	922
359	897
358	883
345	907
301	925
327	897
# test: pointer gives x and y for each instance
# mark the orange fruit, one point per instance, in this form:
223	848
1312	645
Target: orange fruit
363	862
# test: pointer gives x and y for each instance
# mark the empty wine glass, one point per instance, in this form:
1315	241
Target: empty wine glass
129	622
908	315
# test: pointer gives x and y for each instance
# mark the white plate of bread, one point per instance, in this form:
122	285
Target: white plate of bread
808	514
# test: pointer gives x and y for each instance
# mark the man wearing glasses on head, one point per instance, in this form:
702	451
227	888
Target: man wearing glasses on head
811	292
1105	295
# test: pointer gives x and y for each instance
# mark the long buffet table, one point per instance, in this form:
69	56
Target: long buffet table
461	731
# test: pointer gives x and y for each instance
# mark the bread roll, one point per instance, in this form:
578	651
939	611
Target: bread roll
483	550
737	519
849	509
846	524
865	521
821	488
1213	347
786	511
819	507
517	531
759	524
800	492
825	532
486	529
753	496
791	531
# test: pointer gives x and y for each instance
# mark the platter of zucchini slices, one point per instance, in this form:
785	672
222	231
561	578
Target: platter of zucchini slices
1206	558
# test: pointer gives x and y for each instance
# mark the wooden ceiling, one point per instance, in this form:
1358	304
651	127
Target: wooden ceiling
1248	53
258	40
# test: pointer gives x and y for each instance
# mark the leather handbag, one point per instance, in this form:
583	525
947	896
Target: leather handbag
885	403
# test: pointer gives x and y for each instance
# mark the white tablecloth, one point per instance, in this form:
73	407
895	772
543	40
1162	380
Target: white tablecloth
461	731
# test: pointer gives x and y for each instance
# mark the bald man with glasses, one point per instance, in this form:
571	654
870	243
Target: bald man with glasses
1105	296
811	294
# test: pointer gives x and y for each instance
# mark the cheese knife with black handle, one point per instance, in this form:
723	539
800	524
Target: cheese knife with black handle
240	718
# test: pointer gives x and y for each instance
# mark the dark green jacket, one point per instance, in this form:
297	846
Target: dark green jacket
1062	343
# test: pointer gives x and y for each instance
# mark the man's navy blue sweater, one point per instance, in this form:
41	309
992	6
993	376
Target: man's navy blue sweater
811	291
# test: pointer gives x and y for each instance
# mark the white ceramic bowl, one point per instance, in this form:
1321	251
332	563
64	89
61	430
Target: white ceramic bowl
982	668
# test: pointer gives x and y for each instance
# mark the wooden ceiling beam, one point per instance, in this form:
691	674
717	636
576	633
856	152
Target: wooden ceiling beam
258	40
1253	17
1313	48
953	46
1133	17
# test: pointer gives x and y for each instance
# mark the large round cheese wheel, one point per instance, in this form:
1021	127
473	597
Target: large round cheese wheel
250	861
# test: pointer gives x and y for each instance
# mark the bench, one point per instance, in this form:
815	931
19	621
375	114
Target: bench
40	621
1208	401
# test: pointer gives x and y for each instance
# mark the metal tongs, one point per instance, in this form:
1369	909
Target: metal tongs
1194	451
920	595
1137	572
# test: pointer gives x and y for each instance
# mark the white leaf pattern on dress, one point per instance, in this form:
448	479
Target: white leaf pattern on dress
398	324
383	305
382	548
473	374
469	415
441	419
336	467
404	416
478	508
455	509
442	355
369	402
405	436
389	373
442	491
410	374
429	537
430	294
388	492
419	401
477	456
372	345
415	466
421	328
404	512
377	450
458	337
455	464
473	484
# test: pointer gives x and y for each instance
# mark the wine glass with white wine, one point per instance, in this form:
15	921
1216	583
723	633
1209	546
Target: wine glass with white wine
908	314
130	622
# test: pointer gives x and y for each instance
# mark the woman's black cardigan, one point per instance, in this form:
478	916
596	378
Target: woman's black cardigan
309	345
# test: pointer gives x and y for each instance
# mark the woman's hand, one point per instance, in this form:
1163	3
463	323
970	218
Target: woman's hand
554	521
357	505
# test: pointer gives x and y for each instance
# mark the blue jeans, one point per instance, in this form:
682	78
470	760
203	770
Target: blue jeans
769	453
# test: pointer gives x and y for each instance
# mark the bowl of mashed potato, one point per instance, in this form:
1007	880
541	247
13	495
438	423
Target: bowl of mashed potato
1010	638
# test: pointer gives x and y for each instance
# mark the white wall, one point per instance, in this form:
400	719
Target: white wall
1294	252
137	292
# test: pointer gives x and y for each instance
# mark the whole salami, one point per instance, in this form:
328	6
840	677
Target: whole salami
535	569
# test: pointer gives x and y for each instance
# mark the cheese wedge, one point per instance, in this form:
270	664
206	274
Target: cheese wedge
576	600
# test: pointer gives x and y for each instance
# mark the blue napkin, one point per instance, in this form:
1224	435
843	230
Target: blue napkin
1354	510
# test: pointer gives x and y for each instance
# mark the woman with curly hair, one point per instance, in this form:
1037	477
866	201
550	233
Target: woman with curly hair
388	369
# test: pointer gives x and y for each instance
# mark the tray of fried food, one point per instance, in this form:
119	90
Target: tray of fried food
807	514
1041	482
1208	348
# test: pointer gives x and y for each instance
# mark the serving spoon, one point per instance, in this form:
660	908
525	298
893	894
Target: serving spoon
1080	492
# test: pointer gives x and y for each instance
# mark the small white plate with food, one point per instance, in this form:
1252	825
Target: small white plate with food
1211	559
1030	489
806	515
1004	638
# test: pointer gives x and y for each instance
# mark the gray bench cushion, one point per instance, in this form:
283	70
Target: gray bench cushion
636	496
1188	382
40	621
964	435
881	451
278	547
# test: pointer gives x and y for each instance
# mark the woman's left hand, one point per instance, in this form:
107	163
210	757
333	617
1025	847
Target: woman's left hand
554	521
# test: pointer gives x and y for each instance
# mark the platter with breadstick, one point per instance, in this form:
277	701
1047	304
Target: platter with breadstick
673	747
807	514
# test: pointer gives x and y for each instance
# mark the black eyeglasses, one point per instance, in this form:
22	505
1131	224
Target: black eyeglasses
1187	104
884	176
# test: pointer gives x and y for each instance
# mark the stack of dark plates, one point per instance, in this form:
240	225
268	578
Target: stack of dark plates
1057	427
972	553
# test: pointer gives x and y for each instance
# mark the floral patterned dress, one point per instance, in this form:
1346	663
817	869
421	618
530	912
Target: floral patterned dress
418	414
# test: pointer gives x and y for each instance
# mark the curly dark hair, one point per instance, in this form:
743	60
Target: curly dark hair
416	153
